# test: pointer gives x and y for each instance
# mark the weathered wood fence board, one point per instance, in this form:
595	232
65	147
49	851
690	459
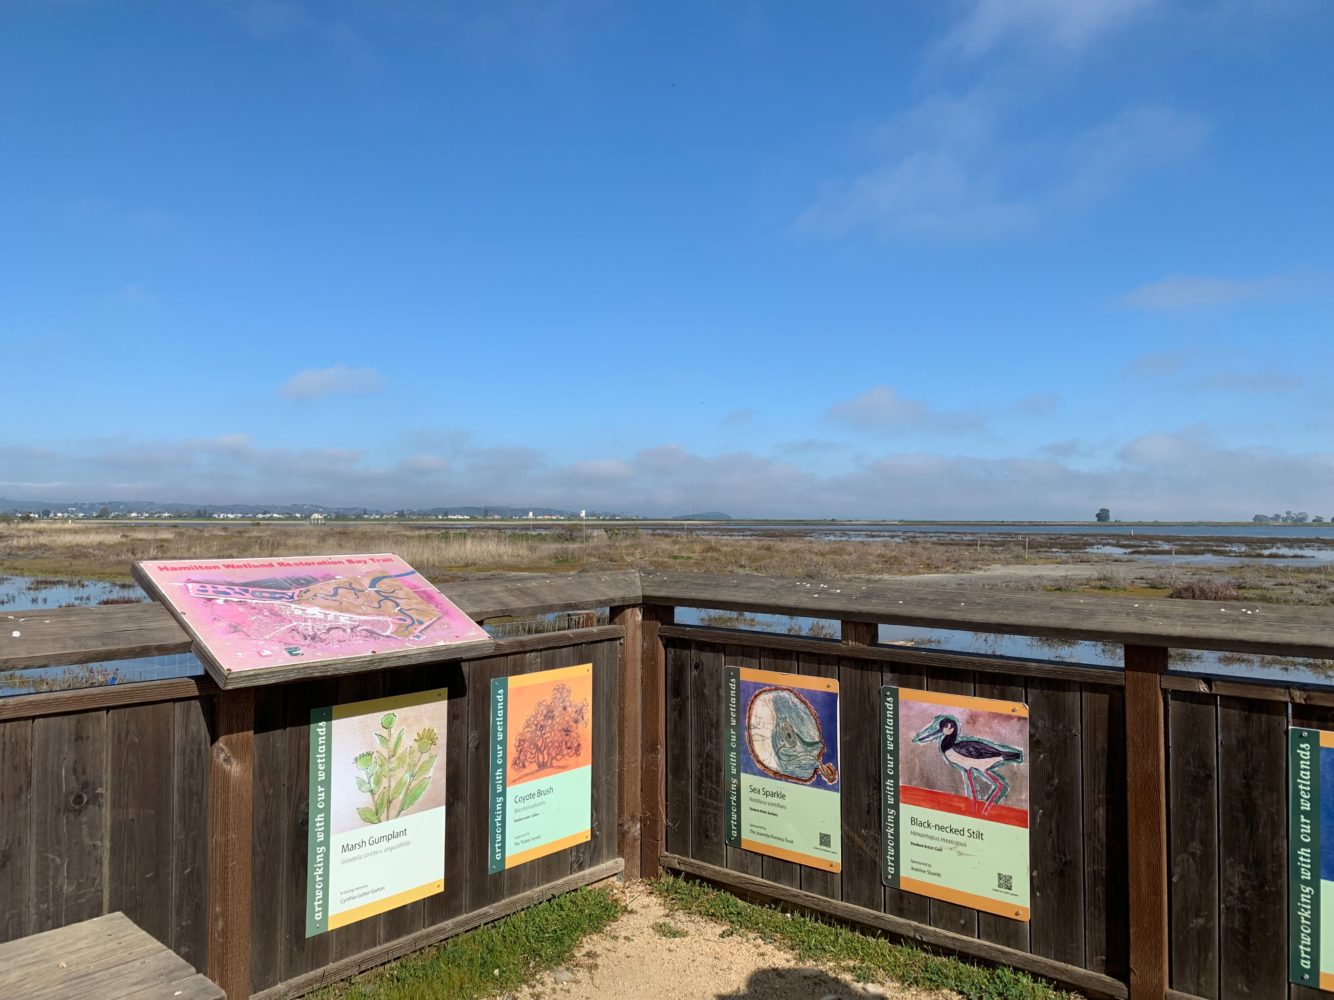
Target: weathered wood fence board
91	821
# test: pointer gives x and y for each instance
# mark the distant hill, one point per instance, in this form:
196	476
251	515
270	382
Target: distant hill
708	515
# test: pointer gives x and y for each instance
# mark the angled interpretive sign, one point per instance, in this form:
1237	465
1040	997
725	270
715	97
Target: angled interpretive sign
267	619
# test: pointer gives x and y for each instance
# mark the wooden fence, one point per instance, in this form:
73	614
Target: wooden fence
1158	805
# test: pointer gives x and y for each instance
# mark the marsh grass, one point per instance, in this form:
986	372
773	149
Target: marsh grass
105	552
90	551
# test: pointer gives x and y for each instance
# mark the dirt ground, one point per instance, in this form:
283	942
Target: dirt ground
685	957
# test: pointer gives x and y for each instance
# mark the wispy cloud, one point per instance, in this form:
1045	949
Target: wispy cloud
948	170
1181	293
1066	25
1136	141
939	176
314	383
883	407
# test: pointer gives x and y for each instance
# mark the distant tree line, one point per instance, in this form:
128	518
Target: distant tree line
1289	517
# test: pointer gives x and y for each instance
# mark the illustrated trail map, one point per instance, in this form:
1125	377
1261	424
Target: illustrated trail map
781	766
253	613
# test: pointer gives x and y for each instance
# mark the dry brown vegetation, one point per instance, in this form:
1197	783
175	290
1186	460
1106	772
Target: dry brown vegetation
94	551
105	552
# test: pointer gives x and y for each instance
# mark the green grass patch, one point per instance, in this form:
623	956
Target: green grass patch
667	929
491	959
866	958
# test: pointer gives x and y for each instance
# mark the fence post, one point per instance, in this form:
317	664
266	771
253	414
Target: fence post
629	736
1146	820
230	809
653	719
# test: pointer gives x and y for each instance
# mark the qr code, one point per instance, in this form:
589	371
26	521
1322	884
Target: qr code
826	840
1004	882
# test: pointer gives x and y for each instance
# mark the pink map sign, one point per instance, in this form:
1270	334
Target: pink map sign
248	614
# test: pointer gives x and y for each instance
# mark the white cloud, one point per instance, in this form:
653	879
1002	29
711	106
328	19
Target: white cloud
882	407
1067	25
938	176
314	383
1179	293
1164	474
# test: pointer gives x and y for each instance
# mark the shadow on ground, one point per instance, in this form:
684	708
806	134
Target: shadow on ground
794	984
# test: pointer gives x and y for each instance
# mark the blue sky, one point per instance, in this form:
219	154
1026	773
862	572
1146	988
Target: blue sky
974	258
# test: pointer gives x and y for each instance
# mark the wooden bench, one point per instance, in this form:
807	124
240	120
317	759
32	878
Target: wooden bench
106	957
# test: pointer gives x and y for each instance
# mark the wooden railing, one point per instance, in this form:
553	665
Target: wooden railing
1158	799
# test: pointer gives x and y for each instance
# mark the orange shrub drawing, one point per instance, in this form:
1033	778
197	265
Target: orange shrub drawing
549	730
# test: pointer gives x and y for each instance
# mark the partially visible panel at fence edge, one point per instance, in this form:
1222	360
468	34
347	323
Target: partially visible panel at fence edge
288	952
1310	748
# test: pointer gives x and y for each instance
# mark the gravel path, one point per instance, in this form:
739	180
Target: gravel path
651	952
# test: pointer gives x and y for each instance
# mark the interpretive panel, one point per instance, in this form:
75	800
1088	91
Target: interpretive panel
541	764
781	766
269	614
377	807
955	776
1311	857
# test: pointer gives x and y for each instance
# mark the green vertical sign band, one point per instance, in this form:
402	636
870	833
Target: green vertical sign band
500	689
317	831
1304	810
889	782
732	759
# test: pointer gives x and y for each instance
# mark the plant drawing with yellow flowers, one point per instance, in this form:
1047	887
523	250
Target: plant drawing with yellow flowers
393	775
